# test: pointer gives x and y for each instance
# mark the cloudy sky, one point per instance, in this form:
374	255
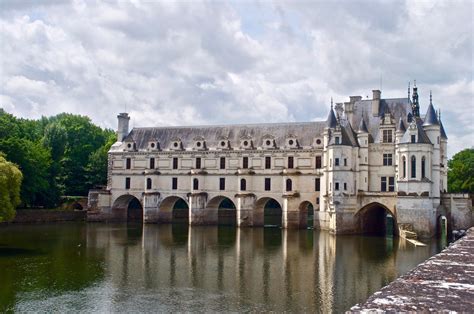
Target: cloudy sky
179	63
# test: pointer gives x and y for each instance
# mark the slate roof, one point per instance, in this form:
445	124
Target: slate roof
421	137
305	132
443	132
430	117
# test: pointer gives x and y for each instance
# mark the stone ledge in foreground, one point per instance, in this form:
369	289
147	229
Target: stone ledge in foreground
444	282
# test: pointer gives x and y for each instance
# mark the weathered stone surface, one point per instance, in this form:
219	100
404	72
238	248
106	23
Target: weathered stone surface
443	283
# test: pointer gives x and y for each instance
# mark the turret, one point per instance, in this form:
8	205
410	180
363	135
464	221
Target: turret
122	130
432	129
363	139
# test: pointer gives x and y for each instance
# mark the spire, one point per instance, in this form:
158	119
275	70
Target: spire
362	127
415	106
430	117
331	121
401	126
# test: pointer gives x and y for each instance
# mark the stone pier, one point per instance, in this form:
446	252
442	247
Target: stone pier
443	283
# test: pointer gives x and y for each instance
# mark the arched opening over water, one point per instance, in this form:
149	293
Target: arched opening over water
128	208
226	210
271	211
376	219
306	215
174	209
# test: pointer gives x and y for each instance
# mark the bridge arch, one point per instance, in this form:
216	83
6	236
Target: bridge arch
376	219
174	209
225	208
306	214
268	212
127	208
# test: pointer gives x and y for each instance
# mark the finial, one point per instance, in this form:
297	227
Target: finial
439	114
331	102
408	92
431	98
414	83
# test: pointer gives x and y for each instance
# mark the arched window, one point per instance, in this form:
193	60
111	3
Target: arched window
148	183
413	166
195	184
243	184
423	165
289	185
404	167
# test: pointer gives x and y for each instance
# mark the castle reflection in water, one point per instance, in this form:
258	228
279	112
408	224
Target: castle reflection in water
175	267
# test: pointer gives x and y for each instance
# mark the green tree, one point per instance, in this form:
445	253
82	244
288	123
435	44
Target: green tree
34	160
10	183
96	170
461	172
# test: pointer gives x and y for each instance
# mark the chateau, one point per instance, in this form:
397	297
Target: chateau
374	166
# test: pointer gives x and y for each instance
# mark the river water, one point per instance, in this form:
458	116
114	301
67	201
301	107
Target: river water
134	268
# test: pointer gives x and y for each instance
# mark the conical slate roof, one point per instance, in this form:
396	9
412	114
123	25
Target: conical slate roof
401	126
363	127
331	121
442	131
430	117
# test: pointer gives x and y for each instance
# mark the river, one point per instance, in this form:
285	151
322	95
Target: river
168	268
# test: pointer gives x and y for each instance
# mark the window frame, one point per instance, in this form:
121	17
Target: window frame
267	184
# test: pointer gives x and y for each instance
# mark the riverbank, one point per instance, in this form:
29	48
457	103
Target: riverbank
443	283
47	215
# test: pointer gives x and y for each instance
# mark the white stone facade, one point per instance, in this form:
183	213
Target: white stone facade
369	159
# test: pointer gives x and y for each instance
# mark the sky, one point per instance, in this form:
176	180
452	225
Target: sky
215	62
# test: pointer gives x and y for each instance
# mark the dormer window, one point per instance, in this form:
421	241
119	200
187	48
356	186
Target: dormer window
387	136
224	144
292	142
318	142
268	142
130	146
176	144
199	143
153	145
246	143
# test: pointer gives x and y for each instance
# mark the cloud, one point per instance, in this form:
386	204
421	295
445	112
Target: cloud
172	63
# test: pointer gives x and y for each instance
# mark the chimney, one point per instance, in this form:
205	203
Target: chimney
375	102
122	130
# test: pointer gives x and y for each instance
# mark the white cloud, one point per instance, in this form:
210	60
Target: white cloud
210	62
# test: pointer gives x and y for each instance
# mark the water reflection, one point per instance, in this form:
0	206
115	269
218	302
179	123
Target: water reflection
178	268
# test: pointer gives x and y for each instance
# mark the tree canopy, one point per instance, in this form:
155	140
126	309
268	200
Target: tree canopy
61	155
461	172
10	182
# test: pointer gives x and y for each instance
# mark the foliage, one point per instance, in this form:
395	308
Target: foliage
461	172
10	182
59	155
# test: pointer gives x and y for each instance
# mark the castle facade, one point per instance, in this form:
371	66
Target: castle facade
374	165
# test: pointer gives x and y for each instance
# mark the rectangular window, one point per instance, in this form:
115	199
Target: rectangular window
337	140
148	184
195	184
174	183
336	162
391	184
317	200
127	183
383	184
175	163
290	162
317	184
387	136
345	161
198	162
222	163
345	186
245	162
268	184
152	163
318	162
268	162
129	163
222	184
413	138
336	186
387	159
